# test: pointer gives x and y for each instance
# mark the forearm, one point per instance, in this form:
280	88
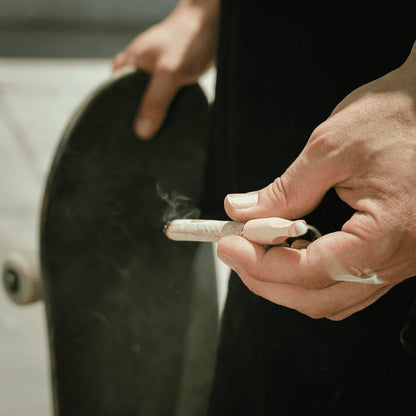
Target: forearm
205	12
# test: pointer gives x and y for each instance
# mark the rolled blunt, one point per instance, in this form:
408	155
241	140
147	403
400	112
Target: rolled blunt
266	231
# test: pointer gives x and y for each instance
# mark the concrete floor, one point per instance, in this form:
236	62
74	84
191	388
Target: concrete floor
37	97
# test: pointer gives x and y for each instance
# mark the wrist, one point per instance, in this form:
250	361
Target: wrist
204	13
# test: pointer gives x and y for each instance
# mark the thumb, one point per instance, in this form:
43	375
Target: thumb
155	104
294	194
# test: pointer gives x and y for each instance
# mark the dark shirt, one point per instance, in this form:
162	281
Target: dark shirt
281	71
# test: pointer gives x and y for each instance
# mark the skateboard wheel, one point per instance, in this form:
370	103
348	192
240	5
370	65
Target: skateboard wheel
21	278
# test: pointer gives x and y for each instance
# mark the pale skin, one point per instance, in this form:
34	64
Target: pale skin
366	150
175	52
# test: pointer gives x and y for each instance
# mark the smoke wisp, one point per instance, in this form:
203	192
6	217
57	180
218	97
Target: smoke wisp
178	205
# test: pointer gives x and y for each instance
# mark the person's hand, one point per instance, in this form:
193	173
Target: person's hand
176	52
366	150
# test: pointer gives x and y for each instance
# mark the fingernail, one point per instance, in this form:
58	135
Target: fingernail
301	228
243	201
144	128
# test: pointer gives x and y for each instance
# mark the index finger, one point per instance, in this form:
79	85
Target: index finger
155	103
326	260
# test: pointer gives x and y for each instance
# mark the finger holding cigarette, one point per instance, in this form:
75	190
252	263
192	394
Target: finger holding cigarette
265	231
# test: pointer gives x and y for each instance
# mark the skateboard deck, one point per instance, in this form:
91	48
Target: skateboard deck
132	316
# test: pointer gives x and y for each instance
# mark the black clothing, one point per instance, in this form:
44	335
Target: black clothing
280	71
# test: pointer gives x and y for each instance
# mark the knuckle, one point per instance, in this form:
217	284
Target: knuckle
321	130
280	193
255	287
323	141
337	317
318	310
328	143
169	67
165	68
314	313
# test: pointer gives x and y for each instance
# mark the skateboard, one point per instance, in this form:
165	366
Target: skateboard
132	316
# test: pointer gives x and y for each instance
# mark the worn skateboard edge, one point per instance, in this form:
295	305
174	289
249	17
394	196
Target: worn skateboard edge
54	170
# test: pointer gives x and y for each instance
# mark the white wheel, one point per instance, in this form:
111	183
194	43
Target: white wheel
21	278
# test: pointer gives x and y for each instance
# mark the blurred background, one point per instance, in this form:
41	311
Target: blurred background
52	53
76	28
